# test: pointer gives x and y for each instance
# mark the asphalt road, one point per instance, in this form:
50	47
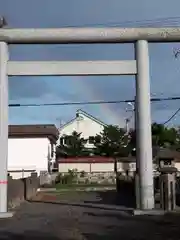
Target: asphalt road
85	216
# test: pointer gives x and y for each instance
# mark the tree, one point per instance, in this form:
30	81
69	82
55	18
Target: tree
73	146
132	142
163	136
112	142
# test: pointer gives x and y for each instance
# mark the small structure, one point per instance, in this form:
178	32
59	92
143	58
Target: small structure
167	169
165	157
31	148
168	188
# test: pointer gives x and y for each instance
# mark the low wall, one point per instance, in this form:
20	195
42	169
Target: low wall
47	179
98	177
21	189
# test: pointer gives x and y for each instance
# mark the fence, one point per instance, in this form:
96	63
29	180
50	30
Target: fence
21	173
21	189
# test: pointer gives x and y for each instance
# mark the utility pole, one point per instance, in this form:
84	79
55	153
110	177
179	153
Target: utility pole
127	125
137	183
129	118
3	22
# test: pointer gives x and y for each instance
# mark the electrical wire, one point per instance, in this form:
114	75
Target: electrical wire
176	112
88	102
68	103
167	21
99	102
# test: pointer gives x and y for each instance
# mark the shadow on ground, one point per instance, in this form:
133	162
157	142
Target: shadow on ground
112	197
27	235
68	222
94	199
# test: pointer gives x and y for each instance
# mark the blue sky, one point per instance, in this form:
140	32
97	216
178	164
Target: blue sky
165	70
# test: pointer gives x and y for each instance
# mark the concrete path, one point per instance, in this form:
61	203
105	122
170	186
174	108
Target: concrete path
56	220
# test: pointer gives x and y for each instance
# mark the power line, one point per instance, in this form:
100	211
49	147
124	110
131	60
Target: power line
67	103
176	112
166	21
99	102
88	102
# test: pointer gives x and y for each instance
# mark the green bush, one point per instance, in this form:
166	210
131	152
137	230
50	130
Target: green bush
68	178
82	174
58	178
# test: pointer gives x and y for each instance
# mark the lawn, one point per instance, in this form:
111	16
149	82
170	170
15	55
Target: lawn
82	187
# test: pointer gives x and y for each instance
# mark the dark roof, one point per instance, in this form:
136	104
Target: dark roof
157	153
95	159
34	131
85	114
166	153
86	160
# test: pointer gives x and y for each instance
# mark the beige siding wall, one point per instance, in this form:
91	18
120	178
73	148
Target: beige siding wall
177	165
96	167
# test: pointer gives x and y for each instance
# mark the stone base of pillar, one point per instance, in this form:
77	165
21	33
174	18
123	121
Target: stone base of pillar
6	215
153	212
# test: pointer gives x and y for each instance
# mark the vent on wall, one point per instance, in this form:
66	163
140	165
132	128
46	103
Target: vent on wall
79	118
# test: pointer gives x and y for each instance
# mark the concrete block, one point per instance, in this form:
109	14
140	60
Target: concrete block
6	215
152	212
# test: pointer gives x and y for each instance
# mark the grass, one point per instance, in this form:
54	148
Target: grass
75	187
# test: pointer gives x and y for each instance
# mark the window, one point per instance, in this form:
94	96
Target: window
61	141
67	140
91	139
52	150
167	162
133	166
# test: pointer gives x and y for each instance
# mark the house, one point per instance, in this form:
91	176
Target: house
31	148
97	164
86	164
125	165
83	123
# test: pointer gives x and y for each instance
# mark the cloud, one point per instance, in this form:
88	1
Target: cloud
27	87
165	71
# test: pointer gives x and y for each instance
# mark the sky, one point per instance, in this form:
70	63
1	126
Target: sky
164	68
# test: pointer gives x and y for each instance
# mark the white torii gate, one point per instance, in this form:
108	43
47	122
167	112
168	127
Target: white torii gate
138	67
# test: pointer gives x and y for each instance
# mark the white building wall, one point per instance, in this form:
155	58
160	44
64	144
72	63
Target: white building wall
123	166
27	154
102	167
87	167
86	126
177	165
98	167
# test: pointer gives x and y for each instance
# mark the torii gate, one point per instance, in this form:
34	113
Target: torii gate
139	67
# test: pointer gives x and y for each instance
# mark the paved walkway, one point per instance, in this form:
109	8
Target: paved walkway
63	220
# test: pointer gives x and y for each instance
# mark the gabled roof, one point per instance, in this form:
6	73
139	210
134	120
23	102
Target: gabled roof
34	131
86	115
